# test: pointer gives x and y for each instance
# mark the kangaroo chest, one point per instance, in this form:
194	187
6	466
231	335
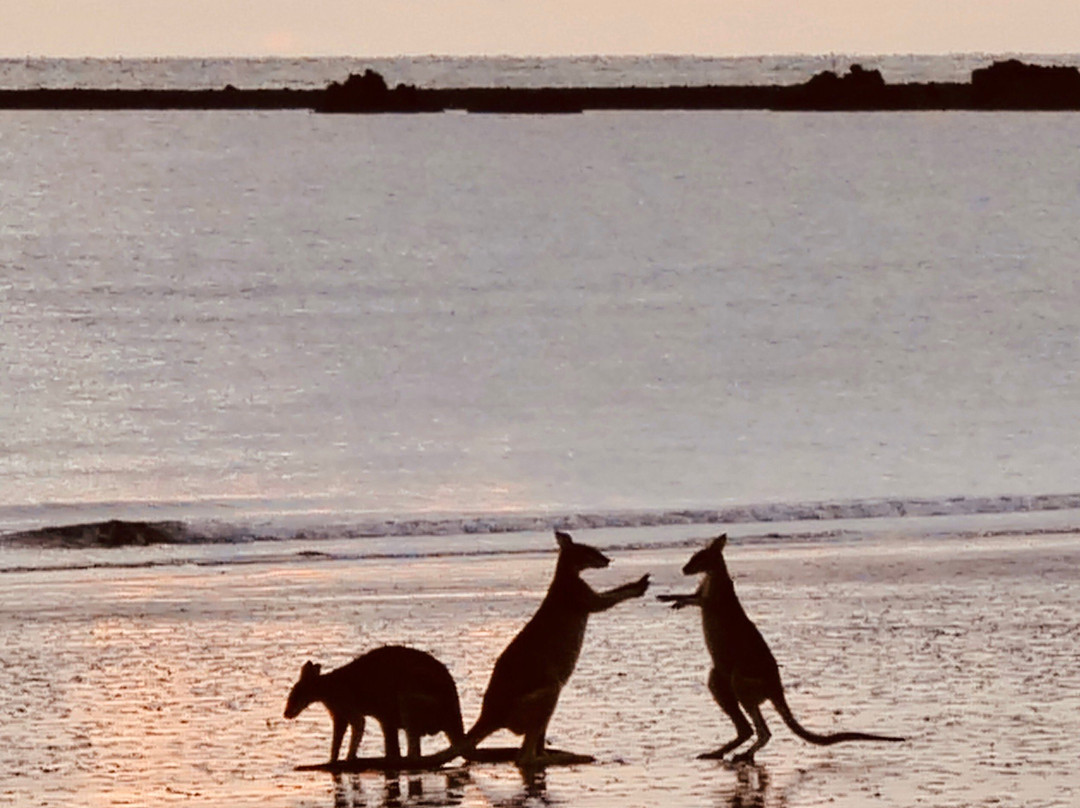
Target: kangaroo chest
729	633
717	638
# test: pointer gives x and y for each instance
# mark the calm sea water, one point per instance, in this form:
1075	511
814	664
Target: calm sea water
244	315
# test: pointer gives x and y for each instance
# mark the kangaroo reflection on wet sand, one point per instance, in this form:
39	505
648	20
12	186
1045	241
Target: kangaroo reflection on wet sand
755	787
531	793
445	788
747	786
750	789
439	789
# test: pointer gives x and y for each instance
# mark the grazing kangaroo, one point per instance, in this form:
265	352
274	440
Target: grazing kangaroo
531	671
402	688
744	673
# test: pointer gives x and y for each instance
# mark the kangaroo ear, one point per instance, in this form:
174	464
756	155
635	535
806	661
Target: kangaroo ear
720	542
563	539
310	669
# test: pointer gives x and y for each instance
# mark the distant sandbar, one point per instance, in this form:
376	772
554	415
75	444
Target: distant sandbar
1008	85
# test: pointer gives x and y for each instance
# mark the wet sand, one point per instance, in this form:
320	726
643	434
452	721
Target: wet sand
166	685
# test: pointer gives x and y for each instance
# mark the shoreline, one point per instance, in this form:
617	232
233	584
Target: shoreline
1005	85
856	537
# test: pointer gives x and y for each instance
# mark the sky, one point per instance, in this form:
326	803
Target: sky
110	28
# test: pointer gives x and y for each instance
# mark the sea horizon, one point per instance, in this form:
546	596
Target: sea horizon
437	71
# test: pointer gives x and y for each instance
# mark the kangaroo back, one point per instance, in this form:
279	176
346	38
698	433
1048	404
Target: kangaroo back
424	690
409	688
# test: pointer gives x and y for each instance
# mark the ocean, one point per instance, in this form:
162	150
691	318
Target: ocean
404	347
271	317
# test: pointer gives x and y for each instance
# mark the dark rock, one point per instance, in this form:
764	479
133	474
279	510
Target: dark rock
1013	84
369	93
859	89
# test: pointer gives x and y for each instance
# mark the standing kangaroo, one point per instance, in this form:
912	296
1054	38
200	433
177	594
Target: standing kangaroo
744	673
531	671
402	688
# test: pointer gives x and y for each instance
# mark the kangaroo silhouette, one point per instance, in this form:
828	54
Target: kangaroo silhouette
531	671
402	688
744	673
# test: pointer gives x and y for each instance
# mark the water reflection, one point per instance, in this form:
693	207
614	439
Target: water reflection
751	786
493	790
434	790
751	789
393	790
533	792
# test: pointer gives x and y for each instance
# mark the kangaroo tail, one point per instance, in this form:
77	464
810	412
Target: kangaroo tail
480	730
462	744
781	705
440	758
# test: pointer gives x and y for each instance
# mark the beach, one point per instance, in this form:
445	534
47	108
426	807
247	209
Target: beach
165	684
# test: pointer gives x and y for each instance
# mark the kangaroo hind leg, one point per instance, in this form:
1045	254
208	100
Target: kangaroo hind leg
413	748
724	693
535	711
762	731
542	755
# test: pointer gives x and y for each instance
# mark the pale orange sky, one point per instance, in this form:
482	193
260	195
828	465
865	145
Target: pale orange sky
541	27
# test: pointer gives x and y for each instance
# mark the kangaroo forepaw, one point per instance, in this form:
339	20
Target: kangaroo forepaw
678	601
638	587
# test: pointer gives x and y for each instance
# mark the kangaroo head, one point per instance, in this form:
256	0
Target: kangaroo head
579	556
708	559
305	691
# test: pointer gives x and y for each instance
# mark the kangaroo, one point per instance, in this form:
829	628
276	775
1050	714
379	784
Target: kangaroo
531	671
745	673
402	688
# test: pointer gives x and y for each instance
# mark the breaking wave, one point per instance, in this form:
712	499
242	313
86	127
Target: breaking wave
123	533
